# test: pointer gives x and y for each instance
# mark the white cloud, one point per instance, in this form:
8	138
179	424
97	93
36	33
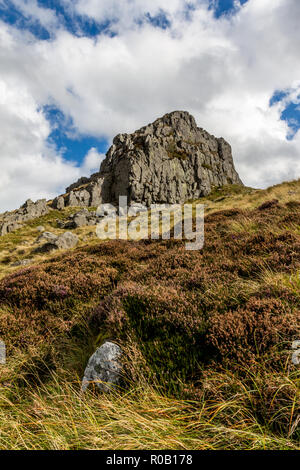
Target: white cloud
223	71
31	10
29	167
91	162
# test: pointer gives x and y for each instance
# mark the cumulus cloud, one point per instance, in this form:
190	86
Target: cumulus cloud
30	168
224	71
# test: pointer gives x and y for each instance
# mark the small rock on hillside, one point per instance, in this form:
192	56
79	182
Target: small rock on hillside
103	368
53	242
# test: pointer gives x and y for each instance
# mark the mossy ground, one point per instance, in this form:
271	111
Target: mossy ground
206	334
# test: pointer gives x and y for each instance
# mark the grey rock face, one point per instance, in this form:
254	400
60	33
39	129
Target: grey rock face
169	161
103	368
58	203
136	208
11	221
65	241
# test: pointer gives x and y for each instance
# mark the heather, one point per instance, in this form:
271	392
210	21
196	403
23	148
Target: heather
207	336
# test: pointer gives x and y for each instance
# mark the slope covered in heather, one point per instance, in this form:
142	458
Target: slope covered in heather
207	334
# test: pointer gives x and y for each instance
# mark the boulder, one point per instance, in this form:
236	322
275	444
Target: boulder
80	219
46	237
64	241
67	240
22	262
103	368
8	227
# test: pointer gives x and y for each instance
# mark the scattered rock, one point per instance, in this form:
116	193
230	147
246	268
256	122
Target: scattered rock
67	240
40	228
53	242
103	368
22	262
46	237
80	219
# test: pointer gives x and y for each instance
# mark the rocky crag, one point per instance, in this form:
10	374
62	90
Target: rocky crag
169	161
10	221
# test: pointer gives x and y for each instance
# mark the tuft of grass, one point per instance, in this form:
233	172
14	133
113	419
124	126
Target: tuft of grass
57	416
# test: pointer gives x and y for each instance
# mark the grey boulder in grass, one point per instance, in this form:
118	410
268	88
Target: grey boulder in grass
65	241
103	368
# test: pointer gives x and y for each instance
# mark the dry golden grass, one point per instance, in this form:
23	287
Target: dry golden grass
240	407
57	416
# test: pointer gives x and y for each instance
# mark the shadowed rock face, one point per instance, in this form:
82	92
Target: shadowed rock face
169	161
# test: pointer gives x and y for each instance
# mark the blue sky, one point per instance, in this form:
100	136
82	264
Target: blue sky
74	73
290	112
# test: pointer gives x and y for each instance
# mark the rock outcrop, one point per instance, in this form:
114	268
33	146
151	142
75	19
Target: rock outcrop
169	161
10	221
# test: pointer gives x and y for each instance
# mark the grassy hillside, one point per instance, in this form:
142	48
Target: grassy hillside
206	334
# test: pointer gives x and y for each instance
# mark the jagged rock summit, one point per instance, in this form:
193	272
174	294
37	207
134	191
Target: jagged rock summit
169	161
